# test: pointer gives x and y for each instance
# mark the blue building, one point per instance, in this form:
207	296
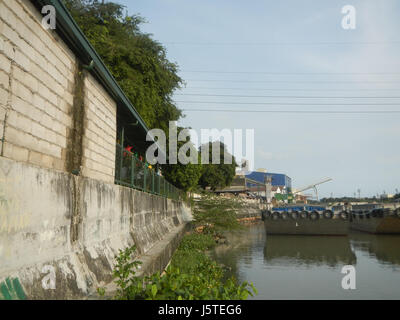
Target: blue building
278	179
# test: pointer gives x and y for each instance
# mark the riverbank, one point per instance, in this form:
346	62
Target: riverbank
191	273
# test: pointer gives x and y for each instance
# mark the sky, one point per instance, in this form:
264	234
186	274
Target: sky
234	55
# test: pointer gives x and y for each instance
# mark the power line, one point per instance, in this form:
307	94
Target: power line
292	73
295	104
272	43
290	89
288	81
297	97
297	111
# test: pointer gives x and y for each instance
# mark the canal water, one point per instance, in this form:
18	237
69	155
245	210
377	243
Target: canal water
309	267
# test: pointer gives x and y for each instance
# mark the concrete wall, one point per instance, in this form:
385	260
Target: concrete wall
39	106
75	225
56	118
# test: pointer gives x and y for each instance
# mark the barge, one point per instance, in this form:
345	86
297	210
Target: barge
305	220
375	218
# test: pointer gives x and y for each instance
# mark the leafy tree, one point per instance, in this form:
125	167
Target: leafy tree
183	176
218	175
216	214
137	62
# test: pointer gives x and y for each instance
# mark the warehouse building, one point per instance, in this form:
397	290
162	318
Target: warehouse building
278	180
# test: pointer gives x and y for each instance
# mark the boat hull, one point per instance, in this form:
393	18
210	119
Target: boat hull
321	226
377	225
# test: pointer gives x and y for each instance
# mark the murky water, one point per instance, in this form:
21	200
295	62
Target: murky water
309	267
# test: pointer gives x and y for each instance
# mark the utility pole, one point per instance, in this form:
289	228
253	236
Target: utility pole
268	187
316	192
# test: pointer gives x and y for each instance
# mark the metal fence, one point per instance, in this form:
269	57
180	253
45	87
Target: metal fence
133	173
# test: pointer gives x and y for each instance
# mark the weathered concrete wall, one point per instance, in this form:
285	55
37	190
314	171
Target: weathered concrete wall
40	110
75	225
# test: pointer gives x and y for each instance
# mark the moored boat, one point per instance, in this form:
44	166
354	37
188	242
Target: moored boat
305	220
375	219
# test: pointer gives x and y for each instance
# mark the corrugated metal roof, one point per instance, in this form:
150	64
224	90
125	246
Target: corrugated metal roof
278	179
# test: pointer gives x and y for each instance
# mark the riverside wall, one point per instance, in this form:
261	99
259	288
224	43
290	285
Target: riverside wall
55	226
62	218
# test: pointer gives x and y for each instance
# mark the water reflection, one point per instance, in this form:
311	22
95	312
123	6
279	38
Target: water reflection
244	246
384	248
308	250
309	267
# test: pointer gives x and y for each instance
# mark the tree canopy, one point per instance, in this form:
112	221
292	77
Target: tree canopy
137	62
218	175
183	176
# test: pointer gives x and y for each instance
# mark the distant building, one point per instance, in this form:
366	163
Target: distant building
387	196
277	180
300	198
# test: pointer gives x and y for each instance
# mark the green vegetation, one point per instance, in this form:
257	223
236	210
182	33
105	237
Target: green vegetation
124	272
101	291
137	62
197	241
218	175
216	214
184	176
192	274
200	278
212	175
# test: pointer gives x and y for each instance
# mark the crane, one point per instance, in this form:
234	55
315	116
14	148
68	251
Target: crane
313	186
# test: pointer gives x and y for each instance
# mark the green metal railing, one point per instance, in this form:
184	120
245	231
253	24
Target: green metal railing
133	173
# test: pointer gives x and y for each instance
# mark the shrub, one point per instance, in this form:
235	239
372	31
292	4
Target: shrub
216	214
200	278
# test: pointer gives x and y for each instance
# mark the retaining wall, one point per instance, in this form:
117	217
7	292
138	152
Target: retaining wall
75	226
